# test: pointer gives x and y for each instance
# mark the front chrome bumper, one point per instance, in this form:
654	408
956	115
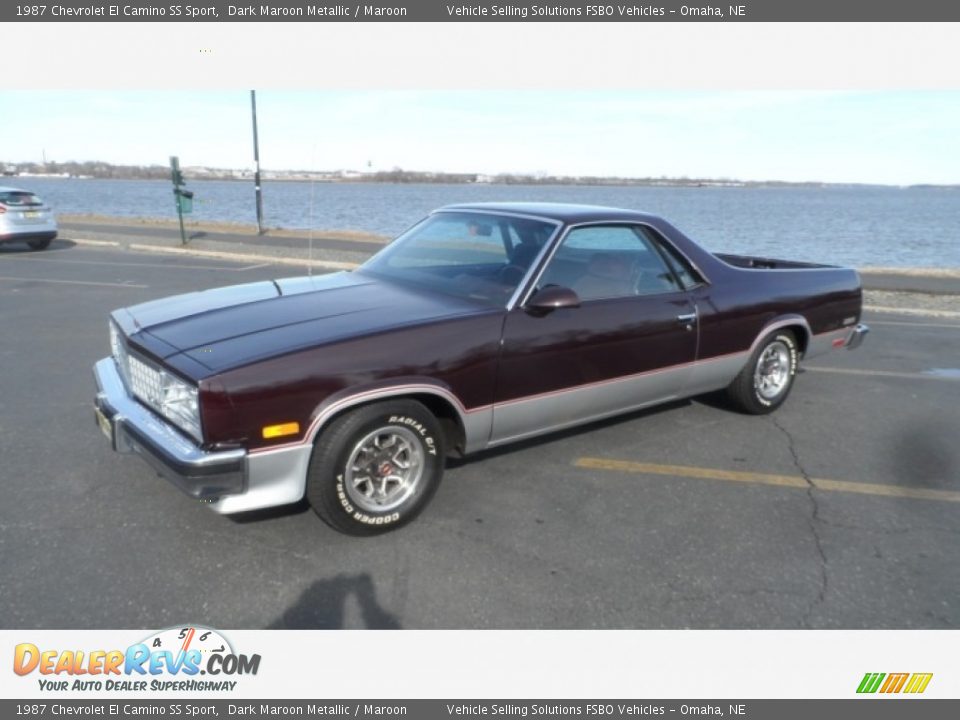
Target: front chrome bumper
230	481
132	428
856	336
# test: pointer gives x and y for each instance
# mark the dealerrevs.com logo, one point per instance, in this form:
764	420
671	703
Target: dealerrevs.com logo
891	683
181	659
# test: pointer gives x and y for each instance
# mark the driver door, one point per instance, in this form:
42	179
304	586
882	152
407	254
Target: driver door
631	343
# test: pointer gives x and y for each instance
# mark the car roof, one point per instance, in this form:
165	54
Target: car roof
569	213
4	188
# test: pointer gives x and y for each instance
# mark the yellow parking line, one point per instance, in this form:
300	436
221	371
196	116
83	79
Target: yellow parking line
794	481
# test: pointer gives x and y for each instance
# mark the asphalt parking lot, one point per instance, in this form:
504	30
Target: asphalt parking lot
838	511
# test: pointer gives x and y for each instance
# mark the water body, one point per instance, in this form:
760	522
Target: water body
857	226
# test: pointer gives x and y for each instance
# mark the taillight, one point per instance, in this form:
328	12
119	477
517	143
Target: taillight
3	209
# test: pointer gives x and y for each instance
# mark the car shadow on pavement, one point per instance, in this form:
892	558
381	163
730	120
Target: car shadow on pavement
270	513
718	400
344	601
21	248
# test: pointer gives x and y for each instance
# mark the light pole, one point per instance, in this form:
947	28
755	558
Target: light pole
256	163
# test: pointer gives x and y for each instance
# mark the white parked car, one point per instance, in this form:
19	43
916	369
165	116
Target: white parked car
24	217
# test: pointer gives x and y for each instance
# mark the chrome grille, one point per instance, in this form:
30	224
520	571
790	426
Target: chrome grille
145	381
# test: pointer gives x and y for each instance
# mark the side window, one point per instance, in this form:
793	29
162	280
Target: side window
609	261
689	277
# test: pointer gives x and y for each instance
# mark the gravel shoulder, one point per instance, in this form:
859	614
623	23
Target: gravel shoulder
936	305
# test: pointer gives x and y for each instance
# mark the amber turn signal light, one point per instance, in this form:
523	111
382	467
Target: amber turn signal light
281	430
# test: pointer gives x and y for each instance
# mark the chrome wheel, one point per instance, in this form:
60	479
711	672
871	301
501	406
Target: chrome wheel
384	469
772	374
376	467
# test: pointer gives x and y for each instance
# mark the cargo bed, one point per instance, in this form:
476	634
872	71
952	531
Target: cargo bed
760	263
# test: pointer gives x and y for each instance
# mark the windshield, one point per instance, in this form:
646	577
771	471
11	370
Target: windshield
476	256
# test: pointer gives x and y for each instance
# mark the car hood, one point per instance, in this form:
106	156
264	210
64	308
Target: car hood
233	326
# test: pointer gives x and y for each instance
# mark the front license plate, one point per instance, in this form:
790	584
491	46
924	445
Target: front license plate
104	424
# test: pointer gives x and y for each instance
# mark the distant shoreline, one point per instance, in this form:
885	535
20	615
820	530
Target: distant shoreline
101	171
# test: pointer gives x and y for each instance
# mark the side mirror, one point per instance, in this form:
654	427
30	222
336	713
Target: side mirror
552	297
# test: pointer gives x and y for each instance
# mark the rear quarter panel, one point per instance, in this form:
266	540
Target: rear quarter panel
737	306
737	303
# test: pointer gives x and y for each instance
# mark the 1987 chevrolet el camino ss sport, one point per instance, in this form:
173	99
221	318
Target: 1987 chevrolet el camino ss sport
481	325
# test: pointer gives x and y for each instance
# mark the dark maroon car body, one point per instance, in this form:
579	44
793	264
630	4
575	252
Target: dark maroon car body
305	350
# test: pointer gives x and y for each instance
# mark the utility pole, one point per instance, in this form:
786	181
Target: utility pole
256	163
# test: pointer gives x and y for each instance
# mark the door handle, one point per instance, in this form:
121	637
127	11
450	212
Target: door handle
687	319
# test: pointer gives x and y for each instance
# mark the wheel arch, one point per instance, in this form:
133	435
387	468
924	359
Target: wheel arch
795	323
441	402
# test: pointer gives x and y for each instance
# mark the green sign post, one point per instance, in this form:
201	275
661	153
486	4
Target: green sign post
183	197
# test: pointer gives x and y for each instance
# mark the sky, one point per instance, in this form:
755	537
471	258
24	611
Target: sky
888	137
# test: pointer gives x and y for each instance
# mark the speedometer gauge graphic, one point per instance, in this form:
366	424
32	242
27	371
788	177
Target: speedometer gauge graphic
181	639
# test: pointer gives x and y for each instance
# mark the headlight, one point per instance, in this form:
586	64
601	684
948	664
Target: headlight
179	403
119	351
116	345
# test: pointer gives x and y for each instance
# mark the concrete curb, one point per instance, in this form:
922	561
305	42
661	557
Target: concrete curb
219	254
244	257
951	273
96	243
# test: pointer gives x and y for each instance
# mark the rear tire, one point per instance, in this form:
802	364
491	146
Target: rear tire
39	244
766	380
375	468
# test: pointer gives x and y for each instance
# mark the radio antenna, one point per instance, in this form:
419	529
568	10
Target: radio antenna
313	181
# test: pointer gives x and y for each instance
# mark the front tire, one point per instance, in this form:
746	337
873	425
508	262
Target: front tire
376	467
39	244
766	380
